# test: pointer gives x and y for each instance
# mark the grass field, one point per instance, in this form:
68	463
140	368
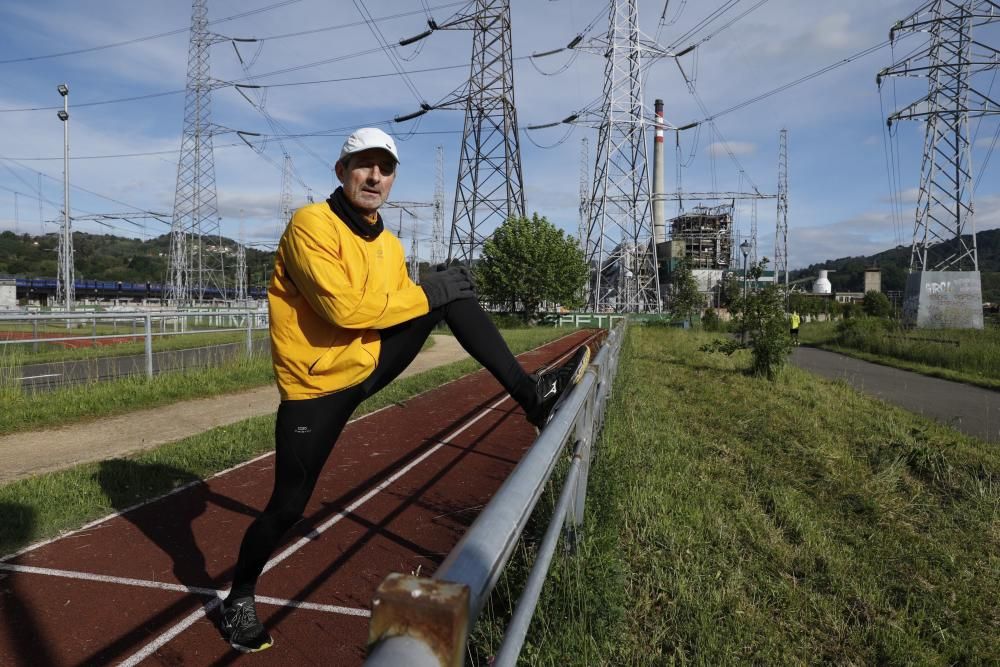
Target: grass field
734	521
38	507
963	355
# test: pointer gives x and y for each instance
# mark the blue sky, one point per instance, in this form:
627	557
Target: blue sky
125	153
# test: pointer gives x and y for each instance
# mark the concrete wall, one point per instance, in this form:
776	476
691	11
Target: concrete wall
873	280
8	294
943	300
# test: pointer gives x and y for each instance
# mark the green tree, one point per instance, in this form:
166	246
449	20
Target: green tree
762	316
528	262
876	304
684	298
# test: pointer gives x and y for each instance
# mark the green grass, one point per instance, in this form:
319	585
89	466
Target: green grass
736	521
42	506
961	355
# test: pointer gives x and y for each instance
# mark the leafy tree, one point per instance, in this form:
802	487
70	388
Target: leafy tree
684	298
762	316
528	262
810	304
876	304
731	291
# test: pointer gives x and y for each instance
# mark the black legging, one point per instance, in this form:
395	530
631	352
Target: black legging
306	430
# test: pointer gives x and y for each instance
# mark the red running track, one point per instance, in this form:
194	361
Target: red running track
142	586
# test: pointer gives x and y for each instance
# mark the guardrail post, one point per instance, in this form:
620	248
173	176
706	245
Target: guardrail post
34	334
149	346
432	612
93	341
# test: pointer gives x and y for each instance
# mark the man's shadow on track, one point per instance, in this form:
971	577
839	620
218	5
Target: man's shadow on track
167	521
20	626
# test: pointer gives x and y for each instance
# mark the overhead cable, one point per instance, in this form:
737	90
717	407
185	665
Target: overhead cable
135	40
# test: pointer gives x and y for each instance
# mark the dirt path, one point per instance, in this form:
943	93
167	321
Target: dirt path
35	452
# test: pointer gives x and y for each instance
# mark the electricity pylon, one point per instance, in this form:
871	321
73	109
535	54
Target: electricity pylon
944	233
285	206
193	267
490	185
241	264
781	228
584	191
619	244
437	230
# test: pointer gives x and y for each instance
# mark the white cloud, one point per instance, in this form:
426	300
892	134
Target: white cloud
718	149
836	32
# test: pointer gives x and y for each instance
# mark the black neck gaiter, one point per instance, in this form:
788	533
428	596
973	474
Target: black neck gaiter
359	225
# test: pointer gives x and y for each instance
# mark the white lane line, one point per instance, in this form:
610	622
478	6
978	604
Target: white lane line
184	624
97	522
164	586
47	375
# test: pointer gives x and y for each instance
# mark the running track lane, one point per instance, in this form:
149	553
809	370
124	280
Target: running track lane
397	493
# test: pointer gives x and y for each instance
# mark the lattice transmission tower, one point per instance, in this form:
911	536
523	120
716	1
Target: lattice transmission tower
619	245
285	204
949	61
944	233
241	263
584	191
194	265
437	229
781	228
490	185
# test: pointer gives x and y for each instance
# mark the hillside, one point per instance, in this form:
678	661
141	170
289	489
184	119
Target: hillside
107	257
848	272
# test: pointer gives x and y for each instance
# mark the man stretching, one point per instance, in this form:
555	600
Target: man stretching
345	320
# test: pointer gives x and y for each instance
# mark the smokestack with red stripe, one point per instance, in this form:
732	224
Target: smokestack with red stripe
659	224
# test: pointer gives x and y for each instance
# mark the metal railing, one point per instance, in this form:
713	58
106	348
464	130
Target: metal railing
425	622
144	325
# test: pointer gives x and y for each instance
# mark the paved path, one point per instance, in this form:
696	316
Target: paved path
971	410
36	452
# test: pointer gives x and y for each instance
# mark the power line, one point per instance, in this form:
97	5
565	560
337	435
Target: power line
136	40
389	50
81	189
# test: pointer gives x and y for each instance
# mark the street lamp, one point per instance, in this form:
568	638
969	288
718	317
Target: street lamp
745	249
66	265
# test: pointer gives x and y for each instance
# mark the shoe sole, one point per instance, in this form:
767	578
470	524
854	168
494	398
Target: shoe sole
575	380
247	649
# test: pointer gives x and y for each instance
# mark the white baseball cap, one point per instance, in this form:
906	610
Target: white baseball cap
368	137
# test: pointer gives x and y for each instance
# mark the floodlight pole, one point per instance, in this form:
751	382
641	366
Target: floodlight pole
66	243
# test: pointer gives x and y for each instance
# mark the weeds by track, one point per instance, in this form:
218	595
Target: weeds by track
736	521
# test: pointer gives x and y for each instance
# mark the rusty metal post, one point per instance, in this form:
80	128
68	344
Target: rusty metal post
431	616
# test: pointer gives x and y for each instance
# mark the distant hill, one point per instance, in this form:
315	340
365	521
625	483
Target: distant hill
107	257
848	272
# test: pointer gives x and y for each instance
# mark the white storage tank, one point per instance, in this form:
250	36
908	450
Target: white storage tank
822	284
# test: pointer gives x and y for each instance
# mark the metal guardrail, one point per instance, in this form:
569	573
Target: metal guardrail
142	324
425	622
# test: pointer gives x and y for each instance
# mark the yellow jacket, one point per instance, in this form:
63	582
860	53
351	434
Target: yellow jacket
331	292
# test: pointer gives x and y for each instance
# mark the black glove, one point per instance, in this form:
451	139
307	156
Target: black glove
446	286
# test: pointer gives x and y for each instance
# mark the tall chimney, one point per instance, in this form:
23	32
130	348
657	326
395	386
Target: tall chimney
659	225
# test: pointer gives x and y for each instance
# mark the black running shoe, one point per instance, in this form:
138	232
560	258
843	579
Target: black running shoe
551	387
241	627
